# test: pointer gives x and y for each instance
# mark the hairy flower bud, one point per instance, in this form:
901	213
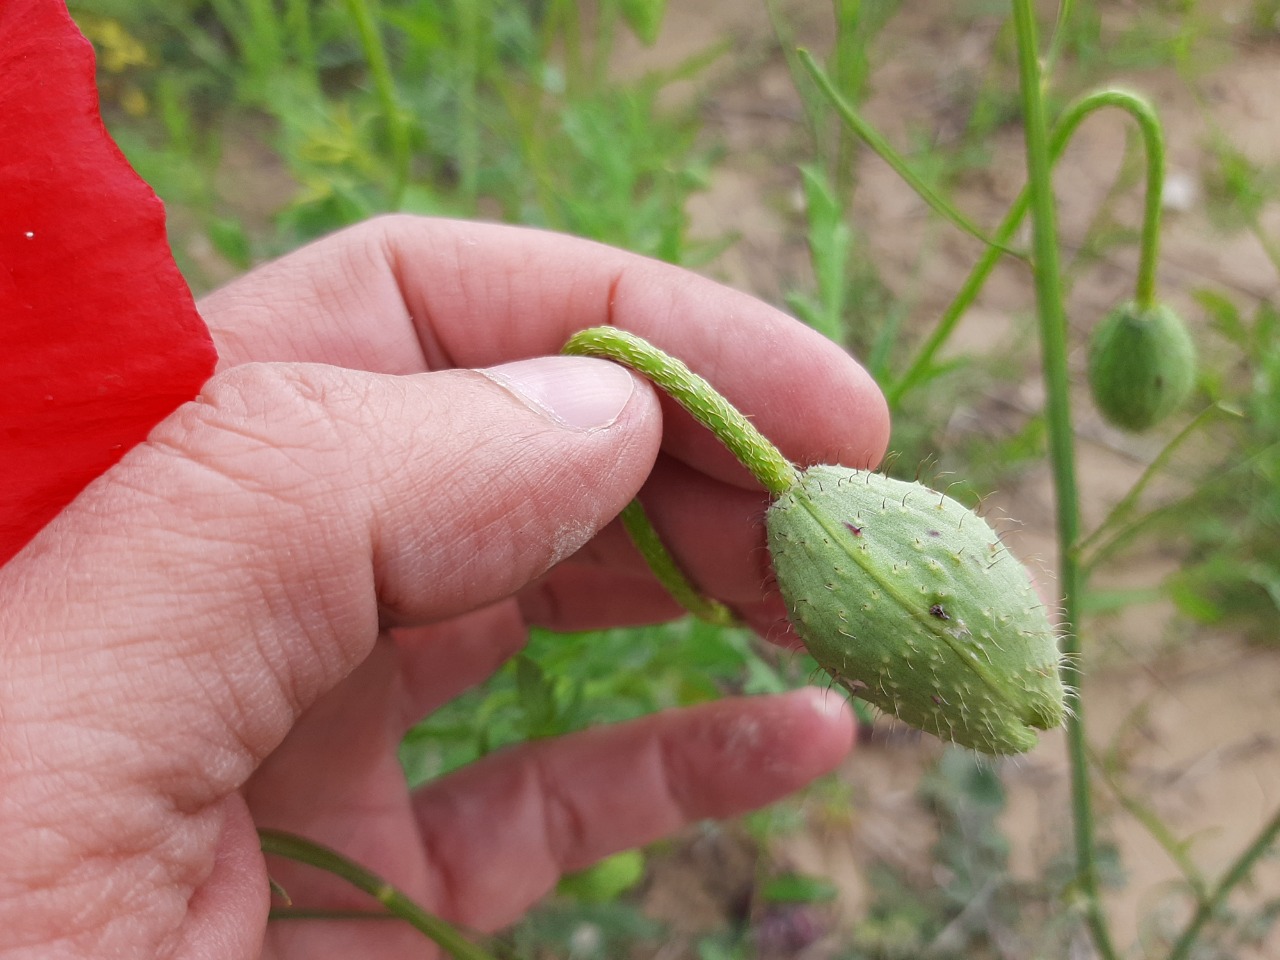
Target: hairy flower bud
910	601
1142	365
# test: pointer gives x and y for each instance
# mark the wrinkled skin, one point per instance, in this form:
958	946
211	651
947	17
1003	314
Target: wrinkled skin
233	627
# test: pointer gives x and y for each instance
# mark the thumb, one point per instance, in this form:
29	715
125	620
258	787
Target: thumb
241	562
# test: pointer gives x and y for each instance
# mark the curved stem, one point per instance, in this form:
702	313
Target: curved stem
1065	9
1149	125
445	935
696	395
668	572
1053	345
1153	141
1236	873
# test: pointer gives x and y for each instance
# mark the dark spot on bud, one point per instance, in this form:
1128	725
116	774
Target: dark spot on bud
937	700
938	611
856	531
935	533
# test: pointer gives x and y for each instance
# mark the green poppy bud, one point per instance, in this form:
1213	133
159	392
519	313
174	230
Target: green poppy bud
911	602
1142	365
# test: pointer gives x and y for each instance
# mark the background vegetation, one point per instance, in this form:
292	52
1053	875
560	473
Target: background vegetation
264	123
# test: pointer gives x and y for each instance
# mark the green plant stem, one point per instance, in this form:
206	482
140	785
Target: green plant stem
1153	142
445	935
297	21
1149	255
1269	245
668	572
470	29
1130	501
850	68
1235	874
375	52
696	395
1053	344
889	155
1150	820
1065	9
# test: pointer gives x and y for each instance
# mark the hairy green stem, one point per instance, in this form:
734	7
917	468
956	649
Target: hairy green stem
1149	258
668	572
692	392
1236	873
1053	345
445	935
1153	141
375	53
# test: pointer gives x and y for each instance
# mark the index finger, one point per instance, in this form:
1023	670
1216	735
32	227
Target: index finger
406	294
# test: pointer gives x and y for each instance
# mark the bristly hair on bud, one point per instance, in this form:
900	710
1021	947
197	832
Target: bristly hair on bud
904	596
922	612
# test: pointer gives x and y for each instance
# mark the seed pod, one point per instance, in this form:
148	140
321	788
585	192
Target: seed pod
1142	365
910	601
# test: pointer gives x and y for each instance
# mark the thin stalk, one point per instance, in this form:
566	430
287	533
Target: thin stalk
1269	246
375	53
664	567
470	26
696	395
297	21
1236	873
1153	139
1053	344
1159	831
850	68
885	151
1065	9
445	935
814	114
1153	143
1126	506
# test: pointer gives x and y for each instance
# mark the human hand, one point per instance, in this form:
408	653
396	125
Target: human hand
234	626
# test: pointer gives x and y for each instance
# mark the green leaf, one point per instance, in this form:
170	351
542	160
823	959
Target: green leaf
644	17
605	881
229	238
798	888
1224	315
829	243
536	696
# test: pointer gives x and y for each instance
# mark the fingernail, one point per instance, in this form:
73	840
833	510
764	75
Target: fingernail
576	392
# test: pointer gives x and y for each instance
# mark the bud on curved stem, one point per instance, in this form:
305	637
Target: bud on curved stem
1064	129
904	596
1142	365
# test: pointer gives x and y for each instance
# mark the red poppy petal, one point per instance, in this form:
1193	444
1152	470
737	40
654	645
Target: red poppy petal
99	336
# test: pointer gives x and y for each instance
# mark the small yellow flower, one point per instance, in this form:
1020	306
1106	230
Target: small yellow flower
118	50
